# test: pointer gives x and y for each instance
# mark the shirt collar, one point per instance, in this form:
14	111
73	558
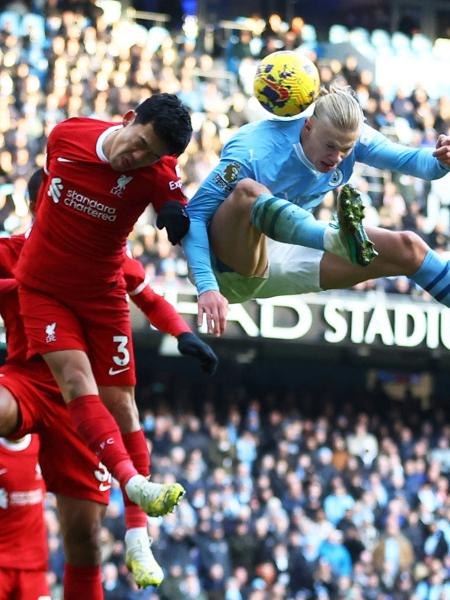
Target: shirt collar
101	141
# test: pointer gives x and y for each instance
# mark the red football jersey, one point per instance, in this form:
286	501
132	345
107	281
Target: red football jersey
10	249
23	537
158	311
86	211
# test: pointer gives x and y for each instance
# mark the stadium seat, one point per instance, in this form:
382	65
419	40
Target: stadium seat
338	34
381	41
359	38
10	20
380	38
421	45
400	43
34	25
309	33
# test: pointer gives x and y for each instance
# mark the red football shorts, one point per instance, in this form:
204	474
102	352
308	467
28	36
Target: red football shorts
68	466
23	584
100	327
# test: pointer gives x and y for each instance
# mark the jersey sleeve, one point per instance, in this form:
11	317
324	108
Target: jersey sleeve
158	311
9	253
375	149
234	166
166	183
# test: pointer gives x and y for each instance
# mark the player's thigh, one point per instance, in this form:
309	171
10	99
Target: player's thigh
400	253
120	402
235	242
80	521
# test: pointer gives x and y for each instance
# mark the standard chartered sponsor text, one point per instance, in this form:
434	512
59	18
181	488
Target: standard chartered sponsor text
89	206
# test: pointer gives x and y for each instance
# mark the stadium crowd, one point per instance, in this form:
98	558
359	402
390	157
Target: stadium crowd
352	504
74	61
317	499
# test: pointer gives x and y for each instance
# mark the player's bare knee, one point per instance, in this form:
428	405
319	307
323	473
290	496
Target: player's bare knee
413	250
82	544
246	192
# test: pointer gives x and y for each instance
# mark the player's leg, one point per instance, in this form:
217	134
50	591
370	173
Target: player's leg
109	339
56	332
9	413
80	522
399	253
251	211
138	555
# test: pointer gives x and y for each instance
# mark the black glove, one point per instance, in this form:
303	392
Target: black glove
174	218
191	345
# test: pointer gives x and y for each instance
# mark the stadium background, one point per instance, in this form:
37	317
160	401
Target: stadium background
317	459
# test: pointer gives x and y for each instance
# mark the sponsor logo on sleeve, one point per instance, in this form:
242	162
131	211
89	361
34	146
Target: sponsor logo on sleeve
228	177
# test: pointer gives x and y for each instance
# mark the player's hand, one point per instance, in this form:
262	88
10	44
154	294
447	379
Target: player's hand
174	218
215	307
442	152
191	345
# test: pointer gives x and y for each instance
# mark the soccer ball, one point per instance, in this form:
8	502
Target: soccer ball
286	83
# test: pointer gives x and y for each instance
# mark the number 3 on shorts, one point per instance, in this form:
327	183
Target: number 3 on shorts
122	358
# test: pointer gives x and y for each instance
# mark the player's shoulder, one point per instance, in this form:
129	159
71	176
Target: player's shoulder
370	136
76	125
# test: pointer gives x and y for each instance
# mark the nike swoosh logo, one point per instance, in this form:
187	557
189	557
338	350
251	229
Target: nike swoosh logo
62	159
104	487
3	471
117	371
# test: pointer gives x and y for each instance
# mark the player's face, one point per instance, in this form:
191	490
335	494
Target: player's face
134	146
325	146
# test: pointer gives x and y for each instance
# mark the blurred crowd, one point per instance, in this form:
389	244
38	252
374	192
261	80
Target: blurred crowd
63	59
349	505
292	496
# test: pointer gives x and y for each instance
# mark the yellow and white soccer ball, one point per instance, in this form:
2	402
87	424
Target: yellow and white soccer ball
286	83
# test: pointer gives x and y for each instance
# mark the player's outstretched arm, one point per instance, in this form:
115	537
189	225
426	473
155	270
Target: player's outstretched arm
164	317
215	307
442	152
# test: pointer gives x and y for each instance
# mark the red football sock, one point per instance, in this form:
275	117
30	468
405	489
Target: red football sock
136	446
98	429
82	582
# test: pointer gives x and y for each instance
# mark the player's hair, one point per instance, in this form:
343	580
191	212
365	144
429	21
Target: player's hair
33	186
340	107
170	119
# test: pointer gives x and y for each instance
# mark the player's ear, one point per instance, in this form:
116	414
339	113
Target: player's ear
128	117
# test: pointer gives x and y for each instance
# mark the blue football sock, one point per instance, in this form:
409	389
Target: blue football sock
434	277
285	222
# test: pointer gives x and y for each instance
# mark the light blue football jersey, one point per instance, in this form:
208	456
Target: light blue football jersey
270	152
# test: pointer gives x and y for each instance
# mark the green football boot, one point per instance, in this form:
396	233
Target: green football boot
350	214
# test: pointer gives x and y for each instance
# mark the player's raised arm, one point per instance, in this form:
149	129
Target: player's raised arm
164	317
375	149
